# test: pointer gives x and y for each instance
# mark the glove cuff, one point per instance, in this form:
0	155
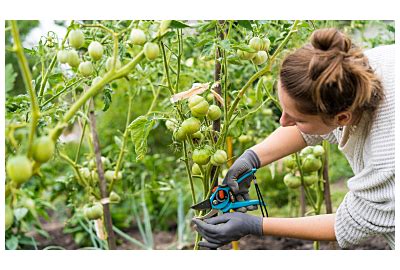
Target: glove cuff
252	157
256	227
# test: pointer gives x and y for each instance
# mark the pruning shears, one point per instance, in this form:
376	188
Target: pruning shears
222	198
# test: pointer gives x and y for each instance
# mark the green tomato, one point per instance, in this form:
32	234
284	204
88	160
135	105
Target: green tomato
260	58
19	169
197	135
310	179
265	44
190	125
219	158
179	135
201	156
137	37
245	55
267	111
95	50
43	149
245	138
151	51
196	169
73	58
318	150
306	151
289	162
109	63
9	217
76	38
210	97
62	56
86	68
292	181
105	161
198	106
311	164
85	173
114	197
109	175
214	112
97	209
164	25
256	43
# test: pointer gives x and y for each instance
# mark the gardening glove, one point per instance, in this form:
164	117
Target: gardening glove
223	229
247	161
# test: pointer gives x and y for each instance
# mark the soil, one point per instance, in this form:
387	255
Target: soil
167	240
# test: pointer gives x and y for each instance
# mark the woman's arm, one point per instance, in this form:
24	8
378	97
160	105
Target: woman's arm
282	142
317	228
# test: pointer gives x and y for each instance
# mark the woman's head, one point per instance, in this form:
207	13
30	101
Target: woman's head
327	83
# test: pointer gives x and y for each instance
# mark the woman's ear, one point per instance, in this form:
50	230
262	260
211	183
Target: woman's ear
343	118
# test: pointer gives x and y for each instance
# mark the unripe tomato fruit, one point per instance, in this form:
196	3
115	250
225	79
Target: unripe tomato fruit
104	160
180	135
198	106
164	26
267	111
109	175
289	162
19	169
260	58
190	125
95	50
110	61
219	158
196	169
256	43
197	135
114	197
151	51
245	55
137	37
311	164
214	112
43	149
76	38
292	181
310	179
201	156
85	173
318	150
245	138
73	58
96	80
62	56
306	151
265	44
97	209
86	68
9	218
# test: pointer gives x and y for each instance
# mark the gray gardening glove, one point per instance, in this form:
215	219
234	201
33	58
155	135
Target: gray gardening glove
223	229
247	161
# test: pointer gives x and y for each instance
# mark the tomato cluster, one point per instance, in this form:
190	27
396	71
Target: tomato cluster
310	162
258	51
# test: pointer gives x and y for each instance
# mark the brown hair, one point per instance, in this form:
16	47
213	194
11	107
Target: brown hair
329	76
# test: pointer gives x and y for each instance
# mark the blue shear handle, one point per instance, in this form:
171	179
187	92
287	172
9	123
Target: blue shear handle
244	176
236	205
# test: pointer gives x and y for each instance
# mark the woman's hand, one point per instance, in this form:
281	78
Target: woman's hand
221	230
242	165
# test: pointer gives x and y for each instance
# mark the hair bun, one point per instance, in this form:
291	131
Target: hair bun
330	39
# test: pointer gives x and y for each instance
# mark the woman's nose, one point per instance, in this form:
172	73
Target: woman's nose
286	121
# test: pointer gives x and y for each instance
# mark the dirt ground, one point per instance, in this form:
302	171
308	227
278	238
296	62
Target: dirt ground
166	240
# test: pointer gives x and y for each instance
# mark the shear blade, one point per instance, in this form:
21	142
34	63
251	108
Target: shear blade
202	205
212	213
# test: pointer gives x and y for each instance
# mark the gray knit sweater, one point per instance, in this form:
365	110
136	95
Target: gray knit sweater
369	206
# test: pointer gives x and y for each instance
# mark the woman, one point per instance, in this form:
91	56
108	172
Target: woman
328	90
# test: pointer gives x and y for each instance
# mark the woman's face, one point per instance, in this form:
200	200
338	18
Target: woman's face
306	123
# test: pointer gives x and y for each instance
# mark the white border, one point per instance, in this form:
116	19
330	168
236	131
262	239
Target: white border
201	9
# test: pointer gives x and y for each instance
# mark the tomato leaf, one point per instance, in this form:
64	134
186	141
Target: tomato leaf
107	98
10	76
178	24
140	129
245	24
12	243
